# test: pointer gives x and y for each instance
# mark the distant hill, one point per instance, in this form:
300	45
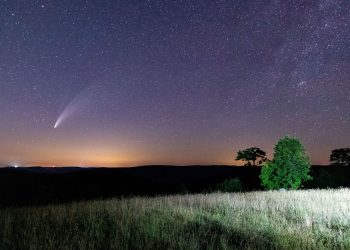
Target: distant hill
45	170
36	185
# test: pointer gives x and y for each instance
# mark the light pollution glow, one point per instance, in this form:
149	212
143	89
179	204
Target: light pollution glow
106	151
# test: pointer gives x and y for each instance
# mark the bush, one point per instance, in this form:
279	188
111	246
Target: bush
326	179
230	185
289	168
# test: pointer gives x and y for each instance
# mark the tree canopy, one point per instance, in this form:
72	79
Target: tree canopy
340	157
289	168
253	156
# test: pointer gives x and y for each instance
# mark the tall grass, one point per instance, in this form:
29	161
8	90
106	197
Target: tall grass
311	219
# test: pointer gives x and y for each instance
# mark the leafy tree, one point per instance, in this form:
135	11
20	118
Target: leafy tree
340	157
289	168
251	156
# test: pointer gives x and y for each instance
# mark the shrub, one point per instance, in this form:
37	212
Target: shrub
230	185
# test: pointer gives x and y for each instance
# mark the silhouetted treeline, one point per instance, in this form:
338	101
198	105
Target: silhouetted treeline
30	186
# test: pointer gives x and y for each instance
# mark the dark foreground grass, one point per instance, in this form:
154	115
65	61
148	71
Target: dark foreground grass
259	220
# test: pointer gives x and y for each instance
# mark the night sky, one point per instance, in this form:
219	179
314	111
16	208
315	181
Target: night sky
126	83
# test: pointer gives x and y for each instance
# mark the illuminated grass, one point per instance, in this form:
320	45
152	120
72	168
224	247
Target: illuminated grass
315	219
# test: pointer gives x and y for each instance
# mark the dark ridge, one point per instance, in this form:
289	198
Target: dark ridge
42	185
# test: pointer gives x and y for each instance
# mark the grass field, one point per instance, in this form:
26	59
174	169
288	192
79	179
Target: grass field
315	219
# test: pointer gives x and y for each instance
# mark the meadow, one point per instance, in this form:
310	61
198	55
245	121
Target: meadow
307	219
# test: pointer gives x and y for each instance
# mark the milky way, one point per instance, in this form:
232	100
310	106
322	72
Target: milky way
190	81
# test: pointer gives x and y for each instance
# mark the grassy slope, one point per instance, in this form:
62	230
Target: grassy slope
265	220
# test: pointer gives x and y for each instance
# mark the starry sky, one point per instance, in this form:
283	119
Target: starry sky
130	83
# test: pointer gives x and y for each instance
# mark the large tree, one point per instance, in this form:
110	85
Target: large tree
340	157
253	156
289	168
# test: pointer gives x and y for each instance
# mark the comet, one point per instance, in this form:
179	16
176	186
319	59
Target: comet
78	103
67	112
